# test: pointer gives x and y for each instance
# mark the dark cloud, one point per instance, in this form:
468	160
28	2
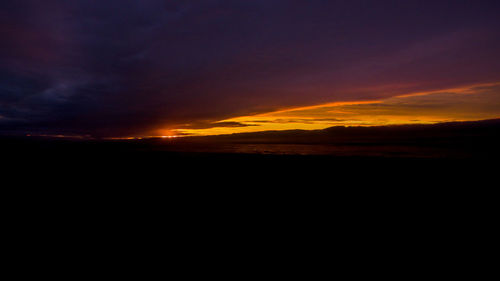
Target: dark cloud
208	125
298	120
122	67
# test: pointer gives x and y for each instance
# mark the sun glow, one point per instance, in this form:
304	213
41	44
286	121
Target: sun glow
474	102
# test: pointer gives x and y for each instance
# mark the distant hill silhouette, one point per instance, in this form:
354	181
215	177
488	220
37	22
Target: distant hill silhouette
377	134
477	139
454	139
425	155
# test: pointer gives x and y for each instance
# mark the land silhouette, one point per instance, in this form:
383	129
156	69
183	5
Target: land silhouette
475	139
424	157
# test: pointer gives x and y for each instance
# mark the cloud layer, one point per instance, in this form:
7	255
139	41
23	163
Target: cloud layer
477	102
131	67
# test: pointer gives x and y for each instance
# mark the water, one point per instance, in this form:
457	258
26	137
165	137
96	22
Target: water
318	149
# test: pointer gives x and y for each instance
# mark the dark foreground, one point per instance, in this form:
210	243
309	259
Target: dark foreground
415	185
402	155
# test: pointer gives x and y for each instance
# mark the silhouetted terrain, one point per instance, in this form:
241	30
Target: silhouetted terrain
460	145
428	161
477	139
448	140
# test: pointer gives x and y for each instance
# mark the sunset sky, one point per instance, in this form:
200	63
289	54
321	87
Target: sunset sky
125	68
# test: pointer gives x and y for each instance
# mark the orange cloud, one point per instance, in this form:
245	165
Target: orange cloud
475	102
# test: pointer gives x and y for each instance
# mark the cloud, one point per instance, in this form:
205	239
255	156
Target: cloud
130	67
208	125
475	102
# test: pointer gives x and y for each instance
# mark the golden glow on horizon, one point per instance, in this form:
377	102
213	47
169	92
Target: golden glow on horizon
474	102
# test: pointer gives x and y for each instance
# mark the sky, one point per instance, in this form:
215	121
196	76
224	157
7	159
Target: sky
122	68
